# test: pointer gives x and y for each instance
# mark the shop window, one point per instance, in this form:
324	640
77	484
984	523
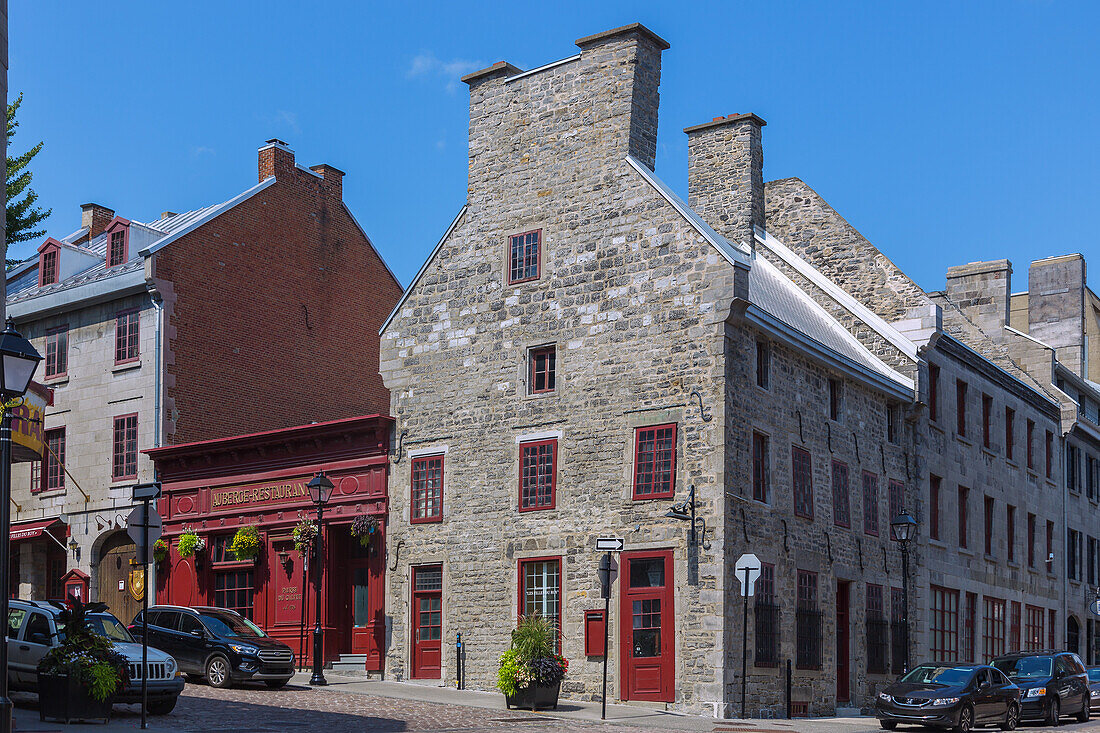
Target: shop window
126	337
1014	627
944	624
125	448
802	482
808	623
655	462
233	589
543	369
524	257
1052	642
870	503
427	489
540	590
761	462
841	511
537	474
877	630
993	628
57	352
968	627
766	619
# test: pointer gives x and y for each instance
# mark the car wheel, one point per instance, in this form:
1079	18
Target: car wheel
1012	717
276	684
1083	716
217	672
1054	713
888	724
162	707
966	720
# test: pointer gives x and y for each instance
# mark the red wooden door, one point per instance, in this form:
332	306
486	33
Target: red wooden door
843	641
366	599
427	612
646	626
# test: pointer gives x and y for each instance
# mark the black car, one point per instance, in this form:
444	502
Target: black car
1094	688
955	696
1053	683
218	644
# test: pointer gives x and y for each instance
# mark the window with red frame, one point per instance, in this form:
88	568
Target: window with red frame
760	467
1010	533
540	590
898	630
870	503
808	622
969	614
125	447
1010	433
934	507
1033	629
802	481
944	624
427	489
537	474
524	257
117	252
1031	444
960	407
1030	540
1050	454
933	392
1014	627
57	352
655	462
126	337
1052	638
964	513
36	476
53	462
543	368
1050	546
841	509
987	419
993	628
48	267
877	630
989	525
896	499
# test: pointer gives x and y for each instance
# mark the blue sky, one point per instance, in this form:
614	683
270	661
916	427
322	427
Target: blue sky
945	132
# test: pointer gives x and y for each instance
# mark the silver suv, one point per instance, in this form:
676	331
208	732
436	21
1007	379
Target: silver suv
33	629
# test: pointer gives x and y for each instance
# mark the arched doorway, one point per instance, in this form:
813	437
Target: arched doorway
1073	635
114	572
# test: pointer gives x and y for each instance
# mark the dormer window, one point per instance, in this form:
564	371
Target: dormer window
49	262
118	240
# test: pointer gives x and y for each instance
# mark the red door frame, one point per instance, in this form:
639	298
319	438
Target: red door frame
433	649
667	659
368	639
843	641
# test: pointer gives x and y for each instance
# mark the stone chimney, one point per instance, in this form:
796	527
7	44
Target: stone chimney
333	183
95	218
1056	307
983	291
276	159
726	175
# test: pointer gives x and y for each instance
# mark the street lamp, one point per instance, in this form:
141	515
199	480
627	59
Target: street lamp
18	362
903	530
320	489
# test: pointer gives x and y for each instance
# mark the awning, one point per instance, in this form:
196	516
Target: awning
31	530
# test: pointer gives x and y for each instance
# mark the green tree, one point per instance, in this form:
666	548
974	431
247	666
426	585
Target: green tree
22	216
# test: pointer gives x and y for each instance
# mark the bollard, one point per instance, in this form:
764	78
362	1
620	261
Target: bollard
788	687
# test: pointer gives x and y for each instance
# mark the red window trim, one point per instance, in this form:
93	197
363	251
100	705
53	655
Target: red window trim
549	349
117	224
54	254
553	475
671	492
508	257
118	316
935	483
520	562
960	407
987	420
1031	444
869	512
115	476
413	503
1010	433
44	472
795	451
762	462
934	392
834	475
50	333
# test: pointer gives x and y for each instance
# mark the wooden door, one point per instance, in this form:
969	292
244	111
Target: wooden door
843	641
427	613
114	577
366	599
646	627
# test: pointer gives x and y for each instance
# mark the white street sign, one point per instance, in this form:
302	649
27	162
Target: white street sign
751	563
136	523
610	544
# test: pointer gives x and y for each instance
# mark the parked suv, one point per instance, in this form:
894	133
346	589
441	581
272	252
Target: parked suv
1053	683
218	644
33	629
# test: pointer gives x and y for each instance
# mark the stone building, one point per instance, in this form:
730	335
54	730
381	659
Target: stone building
582	349
160	333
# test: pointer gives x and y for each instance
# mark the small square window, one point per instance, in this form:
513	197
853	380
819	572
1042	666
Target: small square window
543	369
524	257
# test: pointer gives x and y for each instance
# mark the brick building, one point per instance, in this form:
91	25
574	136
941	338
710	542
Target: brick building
582	349
162	333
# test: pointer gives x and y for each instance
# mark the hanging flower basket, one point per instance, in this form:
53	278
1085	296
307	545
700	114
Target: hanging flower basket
364	528
190	543
305	534
246	543
160	551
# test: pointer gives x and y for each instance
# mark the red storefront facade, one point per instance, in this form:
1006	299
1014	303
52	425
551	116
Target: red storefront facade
216	487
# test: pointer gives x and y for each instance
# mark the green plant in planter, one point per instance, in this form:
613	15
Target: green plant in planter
160	551
246	543
532	659
83	654
305	533
190	543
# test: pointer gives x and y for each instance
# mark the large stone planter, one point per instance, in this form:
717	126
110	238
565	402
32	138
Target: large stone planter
62	697
535	697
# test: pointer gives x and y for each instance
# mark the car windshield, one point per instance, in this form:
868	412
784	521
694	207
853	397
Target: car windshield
229	625
1025	668
1094	675
103	624
950	676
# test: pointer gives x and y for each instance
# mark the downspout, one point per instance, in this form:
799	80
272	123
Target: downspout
158	378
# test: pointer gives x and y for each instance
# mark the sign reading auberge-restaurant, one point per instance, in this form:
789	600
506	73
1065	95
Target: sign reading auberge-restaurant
273	493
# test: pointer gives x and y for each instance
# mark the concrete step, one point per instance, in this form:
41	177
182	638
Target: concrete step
350	664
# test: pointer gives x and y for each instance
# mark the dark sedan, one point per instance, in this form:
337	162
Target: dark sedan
955	696
1094	689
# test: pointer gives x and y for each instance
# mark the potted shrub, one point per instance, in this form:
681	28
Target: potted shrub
246	543
363	528
190	543
160	551
305	534
531	670
78	678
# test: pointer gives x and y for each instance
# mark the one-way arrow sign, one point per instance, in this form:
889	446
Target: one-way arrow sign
610	544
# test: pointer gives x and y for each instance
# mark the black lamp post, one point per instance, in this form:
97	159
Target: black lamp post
18	362
903	530
320	489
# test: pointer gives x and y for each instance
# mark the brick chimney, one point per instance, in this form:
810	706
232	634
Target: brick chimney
726	175
276	159
333	183
983	291
95	218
